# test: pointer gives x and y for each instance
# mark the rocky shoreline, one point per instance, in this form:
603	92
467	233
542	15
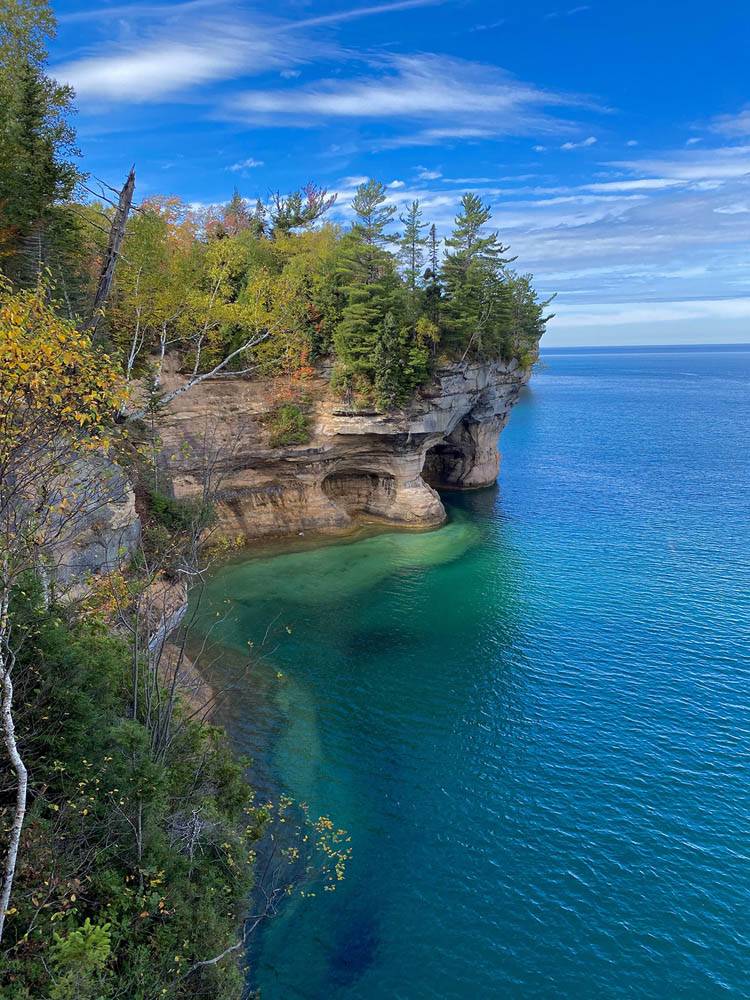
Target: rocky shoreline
357	467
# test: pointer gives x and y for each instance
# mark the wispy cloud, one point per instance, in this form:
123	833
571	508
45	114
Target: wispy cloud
719	164
448	97
357	12
627	313
737	125
571	12
172	56
172	50
242	165
736	208
590	141
641	184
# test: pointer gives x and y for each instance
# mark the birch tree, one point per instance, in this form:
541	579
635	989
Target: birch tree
57	395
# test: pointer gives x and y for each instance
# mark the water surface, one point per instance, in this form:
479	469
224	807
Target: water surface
534	722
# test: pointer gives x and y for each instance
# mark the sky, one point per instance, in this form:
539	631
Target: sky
611	138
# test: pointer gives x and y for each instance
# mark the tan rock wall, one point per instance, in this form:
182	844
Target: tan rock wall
357	466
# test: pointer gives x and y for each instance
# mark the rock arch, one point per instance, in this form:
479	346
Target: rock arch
467	458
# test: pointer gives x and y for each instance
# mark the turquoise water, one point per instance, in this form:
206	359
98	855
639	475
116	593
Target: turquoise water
535	722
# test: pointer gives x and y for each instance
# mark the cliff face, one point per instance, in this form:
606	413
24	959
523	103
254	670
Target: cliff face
105	531
357	466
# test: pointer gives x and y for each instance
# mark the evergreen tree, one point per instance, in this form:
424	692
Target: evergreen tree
236	217
367	304
258	220
36	142
370	236
433	291
300	209
412	245
388	363
477	308
370	284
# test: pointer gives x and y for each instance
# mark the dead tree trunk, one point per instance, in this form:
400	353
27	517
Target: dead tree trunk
116	236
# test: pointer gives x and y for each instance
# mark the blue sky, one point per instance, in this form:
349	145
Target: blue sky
611	138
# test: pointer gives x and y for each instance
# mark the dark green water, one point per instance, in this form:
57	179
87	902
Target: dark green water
534	722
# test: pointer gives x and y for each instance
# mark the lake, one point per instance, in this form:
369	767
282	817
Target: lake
534	722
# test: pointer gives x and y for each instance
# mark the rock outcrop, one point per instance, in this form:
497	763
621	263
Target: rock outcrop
103	530
358	466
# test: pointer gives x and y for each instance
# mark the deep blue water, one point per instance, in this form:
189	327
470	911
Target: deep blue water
535	722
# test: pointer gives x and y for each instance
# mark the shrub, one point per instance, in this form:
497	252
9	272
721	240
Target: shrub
99	912
288	424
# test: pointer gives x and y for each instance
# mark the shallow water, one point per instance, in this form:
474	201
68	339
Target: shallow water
534	722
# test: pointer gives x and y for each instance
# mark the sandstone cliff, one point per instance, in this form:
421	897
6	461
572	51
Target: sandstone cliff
357	466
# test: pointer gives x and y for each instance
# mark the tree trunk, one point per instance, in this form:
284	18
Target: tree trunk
9	738
116	236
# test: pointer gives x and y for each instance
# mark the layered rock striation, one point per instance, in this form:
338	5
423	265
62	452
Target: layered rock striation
357	466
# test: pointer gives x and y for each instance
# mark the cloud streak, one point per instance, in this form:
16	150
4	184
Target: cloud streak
733	126
444	95
646	313
590	141
174	50
169	60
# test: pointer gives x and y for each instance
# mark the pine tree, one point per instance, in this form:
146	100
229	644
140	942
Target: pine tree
412	245
434	251
258	220
367	304
300	209
477	307
388	363
36	142
433	291
235	216
370	284
369	232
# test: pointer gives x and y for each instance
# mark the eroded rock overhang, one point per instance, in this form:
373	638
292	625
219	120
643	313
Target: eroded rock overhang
358	466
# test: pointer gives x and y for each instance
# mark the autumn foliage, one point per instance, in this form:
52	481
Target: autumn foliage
52	381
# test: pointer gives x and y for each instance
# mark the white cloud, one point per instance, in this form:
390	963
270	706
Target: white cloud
590	141
357	12
539	149
445	96
695	165
733	125
248	164
642	184
632	142
171	50
627	313
693	141
428	175
169	59
566	13
737	208
395	185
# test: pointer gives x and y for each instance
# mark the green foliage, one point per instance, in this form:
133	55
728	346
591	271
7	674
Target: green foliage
133	866
476	305
79	958
288	424
412	246
36	145
175	514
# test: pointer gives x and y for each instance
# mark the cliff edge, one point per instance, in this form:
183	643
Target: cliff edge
357	466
